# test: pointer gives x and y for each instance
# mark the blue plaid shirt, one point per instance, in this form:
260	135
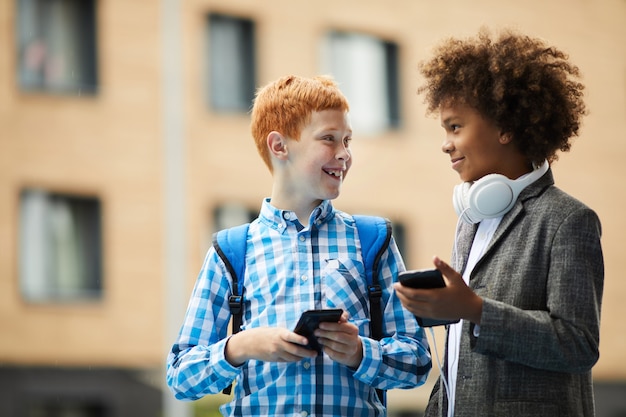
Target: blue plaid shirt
290	269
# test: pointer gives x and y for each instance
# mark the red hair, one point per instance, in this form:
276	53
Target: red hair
286	105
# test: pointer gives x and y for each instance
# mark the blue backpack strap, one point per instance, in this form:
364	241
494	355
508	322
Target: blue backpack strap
230	245
375	235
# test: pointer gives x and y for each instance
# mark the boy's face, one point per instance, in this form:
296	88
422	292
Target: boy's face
474	144
320	160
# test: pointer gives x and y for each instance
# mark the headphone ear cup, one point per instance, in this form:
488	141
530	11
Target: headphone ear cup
491	196
460	200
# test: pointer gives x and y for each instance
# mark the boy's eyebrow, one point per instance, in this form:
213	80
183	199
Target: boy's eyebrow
450	119
446	121
333	131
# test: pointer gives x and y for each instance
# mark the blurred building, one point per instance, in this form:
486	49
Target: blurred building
124	144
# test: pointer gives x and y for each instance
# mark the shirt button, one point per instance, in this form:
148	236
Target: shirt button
304	278
306	365
302	238
304	413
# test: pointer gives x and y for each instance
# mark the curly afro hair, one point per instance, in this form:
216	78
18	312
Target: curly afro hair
525	87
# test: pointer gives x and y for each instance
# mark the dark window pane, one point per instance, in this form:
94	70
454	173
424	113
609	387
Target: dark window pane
231	63
60	247
57	46
393	88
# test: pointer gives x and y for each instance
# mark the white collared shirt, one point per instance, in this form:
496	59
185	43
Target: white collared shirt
484	234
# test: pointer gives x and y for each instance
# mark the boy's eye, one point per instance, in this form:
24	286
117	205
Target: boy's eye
346	142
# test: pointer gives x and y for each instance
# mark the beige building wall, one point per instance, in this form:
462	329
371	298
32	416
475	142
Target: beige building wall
108	146
111	145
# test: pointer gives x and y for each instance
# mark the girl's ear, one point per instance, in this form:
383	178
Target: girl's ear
277	144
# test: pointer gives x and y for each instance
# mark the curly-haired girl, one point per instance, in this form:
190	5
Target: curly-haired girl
530	267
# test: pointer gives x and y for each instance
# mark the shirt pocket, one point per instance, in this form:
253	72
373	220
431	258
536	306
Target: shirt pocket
344	286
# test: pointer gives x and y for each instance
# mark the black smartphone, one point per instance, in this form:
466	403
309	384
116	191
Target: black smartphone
311	319
426	279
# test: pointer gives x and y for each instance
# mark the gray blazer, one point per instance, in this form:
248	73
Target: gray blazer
541	279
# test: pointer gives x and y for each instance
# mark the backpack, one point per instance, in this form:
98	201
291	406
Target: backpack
374	234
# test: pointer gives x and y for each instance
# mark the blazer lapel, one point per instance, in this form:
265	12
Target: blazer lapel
509	219
463	243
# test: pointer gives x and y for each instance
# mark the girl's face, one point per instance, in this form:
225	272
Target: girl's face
320	160
476	145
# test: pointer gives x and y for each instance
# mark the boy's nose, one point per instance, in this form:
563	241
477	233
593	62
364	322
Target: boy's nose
447	146
343	154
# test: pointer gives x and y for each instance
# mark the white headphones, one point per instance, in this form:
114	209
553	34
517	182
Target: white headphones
491	196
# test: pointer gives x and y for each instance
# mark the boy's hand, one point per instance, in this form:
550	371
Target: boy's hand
341	341
271	344
455	301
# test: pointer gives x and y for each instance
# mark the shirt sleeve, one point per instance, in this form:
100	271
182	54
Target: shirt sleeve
401	359
196	364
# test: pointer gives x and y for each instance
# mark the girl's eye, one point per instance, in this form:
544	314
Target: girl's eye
454	128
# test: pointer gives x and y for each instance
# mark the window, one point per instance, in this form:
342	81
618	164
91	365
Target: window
60	247
233	214
366	69
57	46
231	63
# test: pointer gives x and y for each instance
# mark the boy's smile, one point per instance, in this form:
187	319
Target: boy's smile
335	173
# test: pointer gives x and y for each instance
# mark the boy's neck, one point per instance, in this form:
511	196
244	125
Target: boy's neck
302	209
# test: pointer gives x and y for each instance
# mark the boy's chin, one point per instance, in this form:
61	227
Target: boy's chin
328	195
332	196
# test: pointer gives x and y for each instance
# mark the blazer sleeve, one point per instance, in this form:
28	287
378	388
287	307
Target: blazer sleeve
554	323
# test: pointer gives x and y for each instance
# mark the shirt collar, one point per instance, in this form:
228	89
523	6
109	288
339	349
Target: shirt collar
281	219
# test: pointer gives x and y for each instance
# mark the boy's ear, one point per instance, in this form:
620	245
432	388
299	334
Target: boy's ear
505	138
277	144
